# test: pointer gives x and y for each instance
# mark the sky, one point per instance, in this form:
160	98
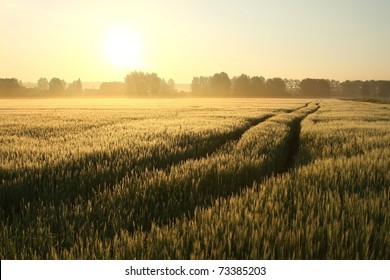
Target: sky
97	40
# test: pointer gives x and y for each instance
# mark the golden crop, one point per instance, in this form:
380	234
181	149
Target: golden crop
194	179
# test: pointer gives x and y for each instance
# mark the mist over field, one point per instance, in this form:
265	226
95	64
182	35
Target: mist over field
138	84
196	130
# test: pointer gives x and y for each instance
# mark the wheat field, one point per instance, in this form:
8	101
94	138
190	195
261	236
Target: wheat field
194	179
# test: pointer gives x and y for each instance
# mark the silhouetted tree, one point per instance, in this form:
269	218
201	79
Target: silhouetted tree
384	89
10	87
167	88
171	86
136	84
292	86
241	85
43	84
351	88
145	84
57	85
153	85
335	88
75	87
257	86
365	90
276	87
163	89
201	86
195	85
220	84
315	87
374	89
112	88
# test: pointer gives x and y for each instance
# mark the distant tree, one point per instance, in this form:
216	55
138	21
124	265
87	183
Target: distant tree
351	88
315	88
201	86
323	87
163	89
171	86
220	84
154	85
10	86
257	86
292	86
276	87
384	89
43	84
145	84
57	85
75	87
136	84
195	85
374	88
241	85
365	90
335	88
167	88
112	88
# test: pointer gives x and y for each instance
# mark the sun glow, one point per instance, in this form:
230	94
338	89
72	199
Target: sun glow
123	48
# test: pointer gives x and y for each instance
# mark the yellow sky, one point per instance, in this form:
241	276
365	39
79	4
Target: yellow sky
105	40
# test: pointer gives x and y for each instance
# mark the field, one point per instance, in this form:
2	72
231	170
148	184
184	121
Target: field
194	179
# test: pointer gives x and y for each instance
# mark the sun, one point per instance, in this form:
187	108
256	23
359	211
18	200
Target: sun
123	48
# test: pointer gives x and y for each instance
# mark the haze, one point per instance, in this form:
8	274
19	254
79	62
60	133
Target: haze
105	40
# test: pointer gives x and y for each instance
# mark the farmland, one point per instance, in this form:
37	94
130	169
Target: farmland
194	179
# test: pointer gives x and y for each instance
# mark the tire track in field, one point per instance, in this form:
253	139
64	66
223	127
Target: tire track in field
166	197
295	139
55	184
97	220
276	165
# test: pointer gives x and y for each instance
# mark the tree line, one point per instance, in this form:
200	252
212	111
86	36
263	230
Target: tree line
257	86
135	84
141	84
11	87
221	85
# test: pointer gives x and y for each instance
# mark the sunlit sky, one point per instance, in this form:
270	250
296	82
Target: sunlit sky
99	40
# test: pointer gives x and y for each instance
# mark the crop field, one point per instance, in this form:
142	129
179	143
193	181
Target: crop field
194	179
